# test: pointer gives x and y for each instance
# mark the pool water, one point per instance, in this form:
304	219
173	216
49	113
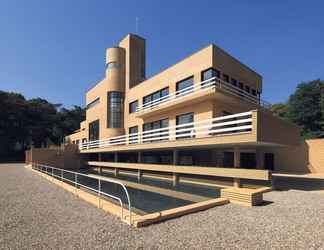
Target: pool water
149	195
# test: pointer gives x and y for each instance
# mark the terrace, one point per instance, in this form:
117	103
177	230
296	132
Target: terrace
208	88
246	127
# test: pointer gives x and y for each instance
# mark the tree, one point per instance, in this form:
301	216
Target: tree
36	121
305	108
280	110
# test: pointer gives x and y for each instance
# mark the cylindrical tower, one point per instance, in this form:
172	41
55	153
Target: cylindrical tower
115	70
115	77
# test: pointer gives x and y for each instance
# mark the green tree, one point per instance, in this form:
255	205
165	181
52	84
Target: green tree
305	108
36	121
280	110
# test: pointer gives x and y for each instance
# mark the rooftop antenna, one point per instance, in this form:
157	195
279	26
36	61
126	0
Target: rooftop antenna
136	24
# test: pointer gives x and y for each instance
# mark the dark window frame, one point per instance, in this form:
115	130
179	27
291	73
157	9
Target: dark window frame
160	94
234	82
115	109
150	126
133	139
94	130
187	87
184	127
131	108
225	76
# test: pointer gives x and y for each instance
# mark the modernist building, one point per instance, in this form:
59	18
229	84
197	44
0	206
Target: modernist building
205	110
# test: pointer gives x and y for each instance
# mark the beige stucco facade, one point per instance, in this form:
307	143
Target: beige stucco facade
237	90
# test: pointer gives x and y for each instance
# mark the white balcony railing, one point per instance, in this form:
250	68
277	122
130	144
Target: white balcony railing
219	126
204	86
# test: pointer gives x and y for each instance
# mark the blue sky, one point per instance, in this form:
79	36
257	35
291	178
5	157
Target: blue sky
56	49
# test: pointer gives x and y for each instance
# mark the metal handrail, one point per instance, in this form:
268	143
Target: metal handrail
41	167
210	83
235	121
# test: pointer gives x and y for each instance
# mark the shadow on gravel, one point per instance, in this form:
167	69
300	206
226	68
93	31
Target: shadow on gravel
303	184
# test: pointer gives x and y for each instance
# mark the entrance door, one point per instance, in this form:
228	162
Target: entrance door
269	161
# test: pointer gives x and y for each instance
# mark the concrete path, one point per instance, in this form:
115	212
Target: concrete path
36	214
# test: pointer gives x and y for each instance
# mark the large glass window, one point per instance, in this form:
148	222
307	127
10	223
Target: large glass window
233	82
133	137
208	74
115	110
185	85
156	135
184	119
94	130
241	86
156	97
133	106
225	78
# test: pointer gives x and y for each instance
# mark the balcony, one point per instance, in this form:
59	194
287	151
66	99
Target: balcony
226	125
255	127
199	91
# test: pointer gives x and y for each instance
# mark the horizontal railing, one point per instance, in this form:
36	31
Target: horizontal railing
209	84
224	125
51	172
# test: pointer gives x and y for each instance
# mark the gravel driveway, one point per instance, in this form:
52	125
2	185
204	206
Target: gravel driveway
37	214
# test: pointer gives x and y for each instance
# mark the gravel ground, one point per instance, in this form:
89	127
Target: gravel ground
36	214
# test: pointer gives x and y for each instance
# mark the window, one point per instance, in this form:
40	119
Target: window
156	97
93	103
247	89
208	74
233	82
112	65
150	137
225	78
164	92
94	130
133	137
254	92
184	119
115	110
241	86
185	86
224	113
147	99
133	107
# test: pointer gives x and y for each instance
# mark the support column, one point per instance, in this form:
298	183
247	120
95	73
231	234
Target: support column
116	172
237	164
175	157
139	157
99	159
175	179
116	160
139	174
